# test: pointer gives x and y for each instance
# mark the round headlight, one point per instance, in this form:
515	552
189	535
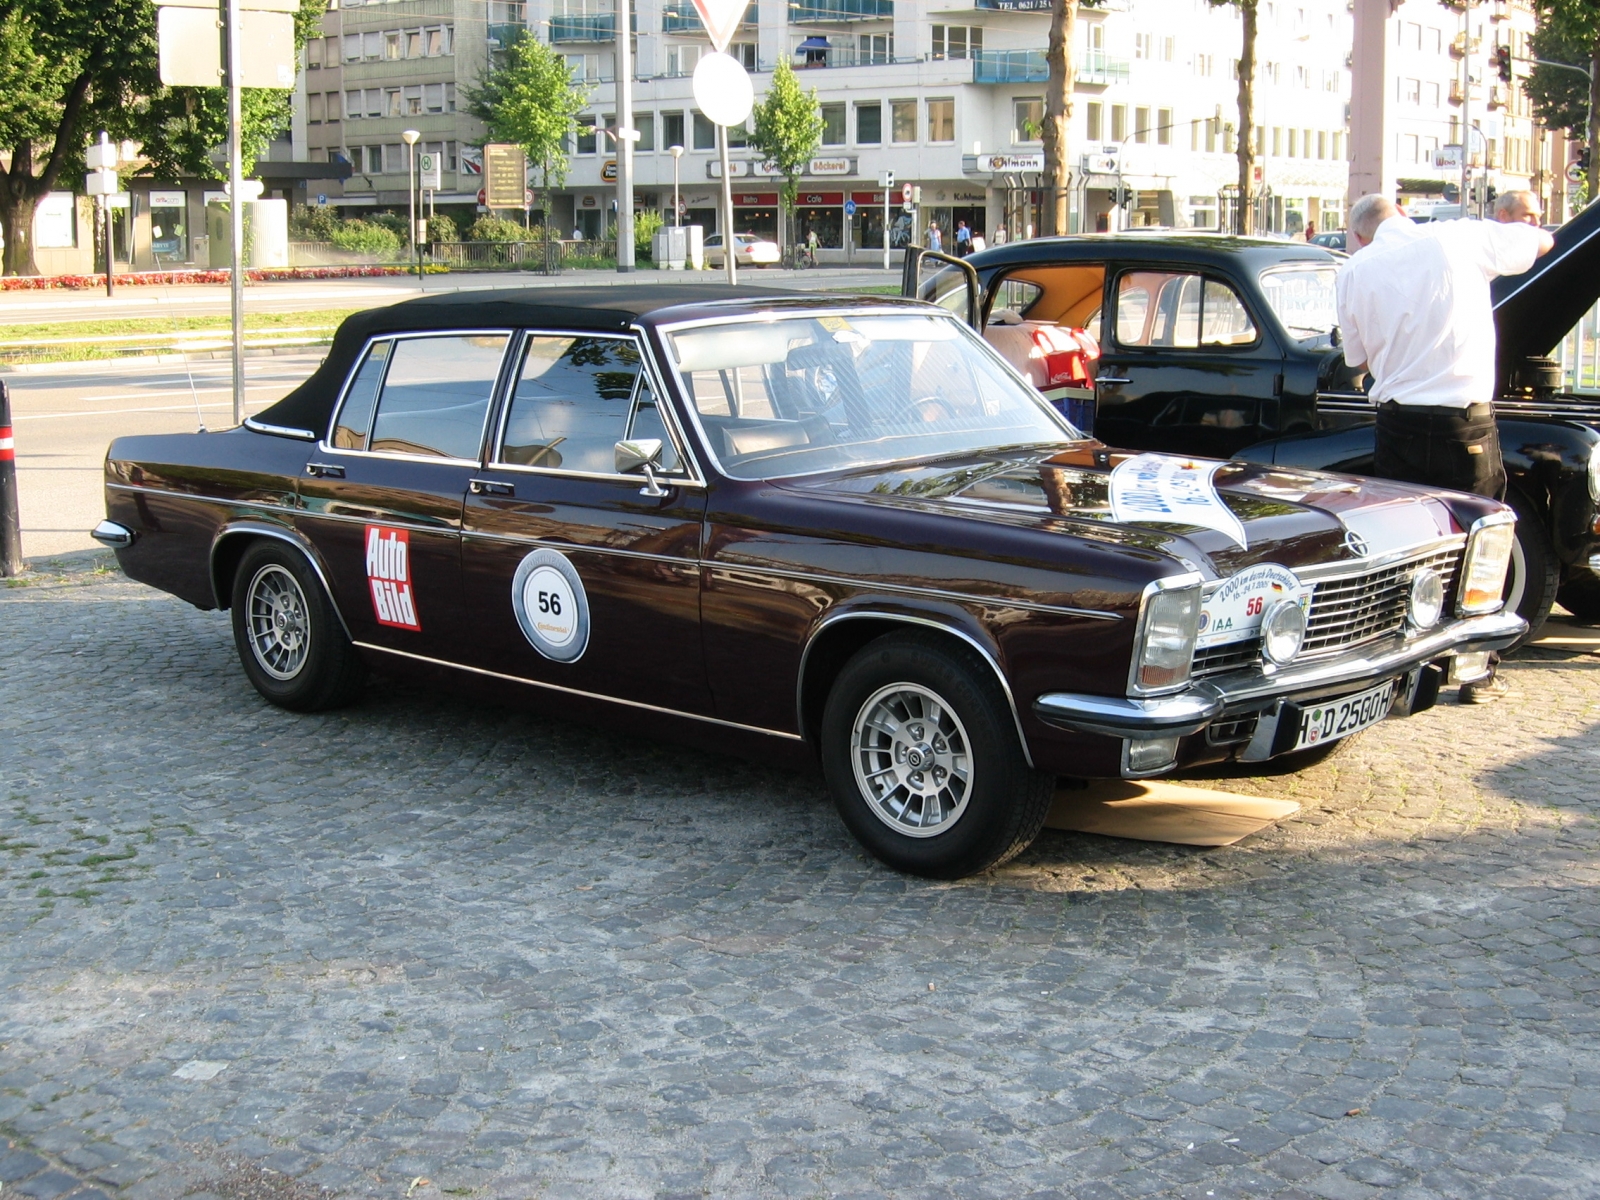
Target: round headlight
1283	630
1427	598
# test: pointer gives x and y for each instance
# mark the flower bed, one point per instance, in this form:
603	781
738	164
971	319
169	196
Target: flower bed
16	283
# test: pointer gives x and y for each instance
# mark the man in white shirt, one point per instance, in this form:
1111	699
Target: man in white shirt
1416	314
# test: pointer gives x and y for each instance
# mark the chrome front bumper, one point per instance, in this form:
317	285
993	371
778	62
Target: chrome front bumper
1190	711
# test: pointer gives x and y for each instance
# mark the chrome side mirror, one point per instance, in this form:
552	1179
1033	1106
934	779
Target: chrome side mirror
641	454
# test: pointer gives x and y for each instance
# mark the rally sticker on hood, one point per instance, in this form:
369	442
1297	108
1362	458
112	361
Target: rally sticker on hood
1159	487
389	577
551	606
1233	612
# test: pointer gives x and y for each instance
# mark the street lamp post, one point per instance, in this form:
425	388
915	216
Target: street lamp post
677	211
409	137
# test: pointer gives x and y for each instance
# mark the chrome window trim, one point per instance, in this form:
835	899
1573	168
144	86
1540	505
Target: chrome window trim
325	444
690	478
921	310
282	533
928	622
304	435
874	585
571	691
1165	584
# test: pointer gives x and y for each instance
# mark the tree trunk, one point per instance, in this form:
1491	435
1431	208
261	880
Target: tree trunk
1594	122
1244	218
19	196
1058	115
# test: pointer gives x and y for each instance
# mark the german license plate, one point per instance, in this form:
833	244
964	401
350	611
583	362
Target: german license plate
1340	718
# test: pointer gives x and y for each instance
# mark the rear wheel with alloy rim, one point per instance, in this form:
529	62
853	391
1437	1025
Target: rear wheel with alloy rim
290	641
1534	573
922	755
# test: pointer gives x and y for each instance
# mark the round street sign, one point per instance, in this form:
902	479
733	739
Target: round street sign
722	89
849	208
1574	172
483	196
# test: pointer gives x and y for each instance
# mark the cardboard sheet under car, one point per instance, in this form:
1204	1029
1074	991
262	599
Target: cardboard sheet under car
1164	812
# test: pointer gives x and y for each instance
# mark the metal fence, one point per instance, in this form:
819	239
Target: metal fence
1579	354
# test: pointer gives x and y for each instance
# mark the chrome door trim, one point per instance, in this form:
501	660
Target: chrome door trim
570	691
902	618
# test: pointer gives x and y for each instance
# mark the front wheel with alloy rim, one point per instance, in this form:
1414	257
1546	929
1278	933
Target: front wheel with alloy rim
922	756
292	646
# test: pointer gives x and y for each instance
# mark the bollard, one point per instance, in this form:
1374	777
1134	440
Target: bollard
10	523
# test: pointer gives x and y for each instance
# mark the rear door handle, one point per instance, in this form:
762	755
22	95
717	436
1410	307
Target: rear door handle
325	470
492	487
1111	379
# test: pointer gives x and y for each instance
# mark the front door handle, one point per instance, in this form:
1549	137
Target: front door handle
1111	379
325	470
491	487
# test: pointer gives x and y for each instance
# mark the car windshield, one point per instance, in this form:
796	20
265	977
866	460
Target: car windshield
1302	297
805	394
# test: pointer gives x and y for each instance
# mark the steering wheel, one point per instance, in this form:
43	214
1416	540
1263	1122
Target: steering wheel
927	409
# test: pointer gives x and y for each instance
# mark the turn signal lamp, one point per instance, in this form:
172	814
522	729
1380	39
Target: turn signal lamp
1483	572
1169	623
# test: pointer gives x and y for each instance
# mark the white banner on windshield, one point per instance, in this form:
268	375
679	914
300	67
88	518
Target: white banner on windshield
1159	487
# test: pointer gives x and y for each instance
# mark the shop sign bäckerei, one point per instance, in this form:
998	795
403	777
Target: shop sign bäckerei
1002	164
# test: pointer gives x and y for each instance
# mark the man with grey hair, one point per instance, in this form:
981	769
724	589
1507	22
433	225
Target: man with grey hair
1518	207
1415	313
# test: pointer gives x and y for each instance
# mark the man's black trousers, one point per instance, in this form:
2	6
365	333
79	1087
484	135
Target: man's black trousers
1440	446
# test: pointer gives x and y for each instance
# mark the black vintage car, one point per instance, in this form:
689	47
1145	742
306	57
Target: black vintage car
1228	346
807	529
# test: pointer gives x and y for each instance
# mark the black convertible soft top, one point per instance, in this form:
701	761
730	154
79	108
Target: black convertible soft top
605	308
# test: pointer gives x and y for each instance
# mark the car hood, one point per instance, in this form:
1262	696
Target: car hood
1535	310
1291	517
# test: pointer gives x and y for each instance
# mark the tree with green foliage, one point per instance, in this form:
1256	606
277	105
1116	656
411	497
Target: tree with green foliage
1245	136
1569	32
528	96
788	132
69	70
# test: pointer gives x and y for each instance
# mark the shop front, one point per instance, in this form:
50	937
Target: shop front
757	213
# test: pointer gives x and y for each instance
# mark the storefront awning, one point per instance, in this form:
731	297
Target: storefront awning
815	43
283	172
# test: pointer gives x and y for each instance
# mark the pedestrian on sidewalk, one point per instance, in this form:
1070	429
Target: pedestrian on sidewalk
1415	313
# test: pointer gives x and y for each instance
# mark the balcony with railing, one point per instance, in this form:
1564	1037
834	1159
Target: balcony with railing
588	27
680	16
834	12
1009	66
1097	68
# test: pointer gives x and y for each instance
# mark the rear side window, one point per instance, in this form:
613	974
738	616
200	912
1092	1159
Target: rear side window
1180	312
355	418
436	395
575	399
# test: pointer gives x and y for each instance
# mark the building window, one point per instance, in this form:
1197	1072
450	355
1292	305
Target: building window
705	133
1167	48
942	120
1141	125
869	124
1119	123
903	121
314	54
1322	143
681	60
586	135
333	105
352	47
1277	141
875	48
957	41
391	106
1093	127
645	123
833	133
315	108
744	53
394	159
1164	126
1027	118
1204	64
672	128
392	46
412	102
1293	153
354	106
1144	45
372	46
433	97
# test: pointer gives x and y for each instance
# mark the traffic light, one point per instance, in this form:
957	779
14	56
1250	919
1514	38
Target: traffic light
1583	159
1502	63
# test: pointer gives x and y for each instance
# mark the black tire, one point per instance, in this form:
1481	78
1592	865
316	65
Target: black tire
1535	573
1580	595
1002	808
291	644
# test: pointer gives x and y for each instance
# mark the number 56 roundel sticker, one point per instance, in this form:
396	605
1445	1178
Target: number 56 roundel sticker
551	605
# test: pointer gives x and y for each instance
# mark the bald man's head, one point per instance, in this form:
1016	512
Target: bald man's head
1367	213
1513	207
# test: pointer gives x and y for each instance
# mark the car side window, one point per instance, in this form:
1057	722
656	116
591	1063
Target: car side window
1179	311
573	402
355	417
436	395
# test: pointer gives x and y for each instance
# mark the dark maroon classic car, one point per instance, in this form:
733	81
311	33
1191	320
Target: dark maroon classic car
824	528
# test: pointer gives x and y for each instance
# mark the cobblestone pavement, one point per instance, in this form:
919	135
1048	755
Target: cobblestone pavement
428	947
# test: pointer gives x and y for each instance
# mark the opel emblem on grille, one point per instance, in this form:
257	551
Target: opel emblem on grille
1355	543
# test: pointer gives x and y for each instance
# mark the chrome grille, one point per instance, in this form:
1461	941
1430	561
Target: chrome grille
1230	656
1352	610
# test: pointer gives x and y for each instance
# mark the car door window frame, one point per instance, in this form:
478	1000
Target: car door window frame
1206	275
326	442
688	472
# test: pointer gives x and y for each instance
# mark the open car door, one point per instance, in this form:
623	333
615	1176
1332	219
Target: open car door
943	280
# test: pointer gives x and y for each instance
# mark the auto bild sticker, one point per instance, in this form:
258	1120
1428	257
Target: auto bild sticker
551	606
1160	487
1233	612
389	577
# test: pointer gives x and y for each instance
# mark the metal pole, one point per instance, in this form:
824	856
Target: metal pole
10	524
728	244
111	269
411	199
235	205
885	227
1466	101
625	255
